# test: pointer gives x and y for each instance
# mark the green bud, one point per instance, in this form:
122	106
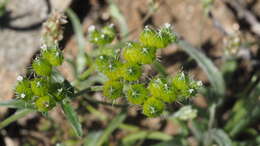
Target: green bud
160	89
62	90
167	35
137	53
131	72
110	66
137	94
103	37
153	107
40	86
45	103
109	32
42	67
23	89
53	56
149	37
113	89
184	86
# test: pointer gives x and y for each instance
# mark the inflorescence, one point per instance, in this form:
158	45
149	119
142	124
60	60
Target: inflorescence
124	69
43	92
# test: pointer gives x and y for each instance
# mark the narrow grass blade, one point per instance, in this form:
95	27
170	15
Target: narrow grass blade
220	137
77	27
19	114
13	103
115	12
72	117
155	135
113	125
92	138
214	75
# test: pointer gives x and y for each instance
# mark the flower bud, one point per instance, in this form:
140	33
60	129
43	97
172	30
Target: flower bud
110	66
131	72
137	94
160	89
103	37
40	86
149	37
42	67
137	53
45	103
153	107
23	90
54	56
184	86
113	89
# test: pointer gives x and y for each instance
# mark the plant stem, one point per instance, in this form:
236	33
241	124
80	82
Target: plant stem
19	114
160	68
91	100
106	103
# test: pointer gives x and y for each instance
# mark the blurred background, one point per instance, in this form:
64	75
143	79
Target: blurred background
227	32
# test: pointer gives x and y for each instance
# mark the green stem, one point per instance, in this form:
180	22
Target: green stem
160	68
87	90
106	103
19	114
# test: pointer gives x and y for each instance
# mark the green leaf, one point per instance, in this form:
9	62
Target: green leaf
13	103
214	75
81	57
113	125
155	135
92	138
220	137
72	117
115	12
174	142
19	114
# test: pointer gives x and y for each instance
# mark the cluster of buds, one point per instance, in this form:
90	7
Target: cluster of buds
44	91
124	70
52	31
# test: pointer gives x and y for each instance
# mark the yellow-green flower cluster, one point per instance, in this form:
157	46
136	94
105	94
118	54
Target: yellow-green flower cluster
44	91
124	69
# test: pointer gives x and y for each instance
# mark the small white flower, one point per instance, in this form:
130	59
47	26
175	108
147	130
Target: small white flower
19	78
130	70
145	50
199	83
91	28
191	90
22	95
110	66
102	36
38	84
167	25
44	47
111	25
129	44
60	90
57	54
